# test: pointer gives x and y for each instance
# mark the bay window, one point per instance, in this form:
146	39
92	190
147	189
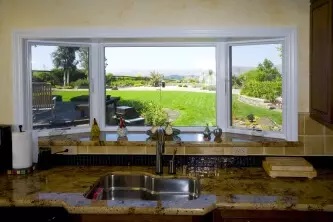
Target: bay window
240	81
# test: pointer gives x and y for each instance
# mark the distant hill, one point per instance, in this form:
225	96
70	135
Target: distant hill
181	73
178	77
238	70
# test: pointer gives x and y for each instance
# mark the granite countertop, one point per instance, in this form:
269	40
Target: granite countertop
231	188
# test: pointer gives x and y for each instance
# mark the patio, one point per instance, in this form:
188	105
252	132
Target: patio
71	114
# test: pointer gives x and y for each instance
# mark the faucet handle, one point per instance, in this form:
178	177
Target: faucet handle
160	135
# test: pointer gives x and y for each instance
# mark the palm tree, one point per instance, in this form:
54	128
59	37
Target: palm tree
210	74
64	57
84	60
156	78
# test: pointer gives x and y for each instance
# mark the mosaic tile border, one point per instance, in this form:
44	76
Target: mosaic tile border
149	160
191	161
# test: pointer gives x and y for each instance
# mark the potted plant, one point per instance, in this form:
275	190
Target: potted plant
155	116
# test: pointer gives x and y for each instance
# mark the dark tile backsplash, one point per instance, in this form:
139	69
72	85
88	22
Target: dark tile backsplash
149	160
193	161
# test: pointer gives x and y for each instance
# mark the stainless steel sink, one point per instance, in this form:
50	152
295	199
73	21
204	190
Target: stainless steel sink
129	186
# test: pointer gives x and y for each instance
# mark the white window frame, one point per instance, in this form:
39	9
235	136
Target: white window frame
27	78
227	122
96	39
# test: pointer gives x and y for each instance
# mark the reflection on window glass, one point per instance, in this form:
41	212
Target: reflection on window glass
256	73
155	85
60	86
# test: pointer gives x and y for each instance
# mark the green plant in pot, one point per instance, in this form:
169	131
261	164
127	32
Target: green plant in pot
154	115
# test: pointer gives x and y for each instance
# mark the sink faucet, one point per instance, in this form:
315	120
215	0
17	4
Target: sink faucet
160	150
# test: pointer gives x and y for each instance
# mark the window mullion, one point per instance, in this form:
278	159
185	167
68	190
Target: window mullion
289	49
95	95
221	85
101	86
27	87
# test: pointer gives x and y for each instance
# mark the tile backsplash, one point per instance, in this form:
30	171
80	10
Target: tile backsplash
316	139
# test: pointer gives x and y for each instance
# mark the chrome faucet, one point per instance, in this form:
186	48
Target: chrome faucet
160	150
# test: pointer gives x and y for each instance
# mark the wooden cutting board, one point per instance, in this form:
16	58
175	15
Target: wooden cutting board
288	167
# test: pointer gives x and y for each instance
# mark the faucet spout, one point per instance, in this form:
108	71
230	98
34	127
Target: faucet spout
160	143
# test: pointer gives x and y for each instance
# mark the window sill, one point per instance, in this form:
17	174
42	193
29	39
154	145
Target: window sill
187	140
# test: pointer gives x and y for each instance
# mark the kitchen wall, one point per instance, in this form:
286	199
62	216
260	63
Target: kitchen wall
29	14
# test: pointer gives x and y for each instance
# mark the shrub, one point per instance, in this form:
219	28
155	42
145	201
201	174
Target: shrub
184	85
58	87
57	75
68	87
81	83
154	114
209	88
138	84
63	87
109	78
82	98
58	98
265	90
180	85
45	77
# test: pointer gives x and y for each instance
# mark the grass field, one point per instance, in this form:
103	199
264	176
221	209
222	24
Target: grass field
195	108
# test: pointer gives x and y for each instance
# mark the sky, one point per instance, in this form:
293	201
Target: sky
166	58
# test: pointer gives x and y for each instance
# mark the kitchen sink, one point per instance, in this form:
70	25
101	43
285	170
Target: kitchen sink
142	186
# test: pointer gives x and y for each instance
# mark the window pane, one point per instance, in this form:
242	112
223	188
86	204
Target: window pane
256	86
180	81
60	86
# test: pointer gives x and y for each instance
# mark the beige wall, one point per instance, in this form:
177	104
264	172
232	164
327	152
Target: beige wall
20	14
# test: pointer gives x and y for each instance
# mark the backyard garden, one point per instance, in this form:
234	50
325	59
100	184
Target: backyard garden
190	101
194	108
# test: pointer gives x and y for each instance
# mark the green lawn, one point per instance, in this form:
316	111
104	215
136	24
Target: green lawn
195	108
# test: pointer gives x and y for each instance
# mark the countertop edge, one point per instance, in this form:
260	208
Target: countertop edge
97	208
275	206
100	209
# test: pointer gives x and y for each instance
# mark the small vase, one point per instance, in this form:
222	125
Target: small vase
153	129
122	130
206	133
168	129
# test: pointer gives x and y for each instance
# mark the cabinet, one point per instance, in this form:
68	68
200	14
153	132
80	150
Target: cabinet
139	218
321	70
222	215
35	214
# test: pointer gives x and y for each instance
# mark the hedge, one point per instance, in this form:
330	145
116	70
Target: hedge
269	90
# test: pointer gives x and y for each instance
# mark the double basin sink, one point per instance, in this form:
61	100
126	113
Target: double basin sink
143	186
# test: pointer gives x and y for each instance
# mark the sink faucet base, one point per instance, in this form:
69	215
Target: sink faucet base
160	143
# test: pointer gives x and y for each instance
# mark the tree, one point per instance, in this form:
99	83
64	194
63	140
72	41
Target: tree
279	48
109	77
156	78
263	82
64	57
210	74
268	72
236	82
84	60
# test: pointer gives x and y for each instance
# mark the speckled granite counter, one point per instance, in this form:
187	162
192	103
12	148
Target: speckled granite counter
248	188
